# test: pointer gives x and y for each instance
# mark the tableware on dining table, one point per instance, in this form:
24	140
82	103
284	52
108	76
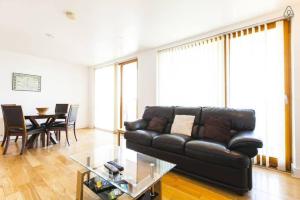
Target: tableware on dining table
42	110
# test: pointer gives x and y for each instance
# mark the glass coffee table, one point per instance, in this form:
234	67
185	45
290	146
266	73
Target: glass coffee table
141	175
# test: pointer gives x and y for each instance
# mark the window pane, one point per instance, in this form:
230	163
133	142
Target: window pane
257	81
129	92
192	76
104	98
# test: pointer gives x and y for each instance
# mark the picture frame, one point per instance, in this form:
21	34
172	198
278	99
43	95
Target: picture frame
26	82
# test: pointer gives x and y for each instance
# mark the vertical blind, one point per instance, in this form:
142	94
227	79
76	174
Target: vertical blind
256	80
244	69
192	74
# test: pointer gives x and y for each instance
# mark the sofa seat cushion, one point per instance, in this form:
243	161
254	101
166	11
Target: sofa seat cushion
171	142
217	153
143	137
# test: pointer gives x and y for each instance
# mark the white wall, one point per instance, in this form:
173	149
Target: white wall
146	80
61	83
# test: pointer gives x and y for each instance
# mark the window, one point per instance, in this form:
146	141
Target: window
192	74
249	68
128	105
105	98
256	80
115	95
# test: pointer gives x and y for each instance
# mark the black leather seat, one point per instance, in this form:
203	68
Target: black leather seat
215	153
142	137
171	142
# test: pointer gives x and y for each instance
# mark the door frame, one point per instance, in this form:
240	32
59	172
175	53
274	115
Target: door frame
121	89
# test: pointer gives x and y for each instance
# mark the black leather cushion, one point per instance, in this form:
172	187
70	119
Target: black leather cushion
157	124
162	112
171	142
241	119
215	153
143	137
195	111
217	129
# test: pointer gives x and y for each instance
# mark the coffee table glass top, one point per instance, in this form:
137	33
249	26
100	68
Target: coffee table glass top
140	171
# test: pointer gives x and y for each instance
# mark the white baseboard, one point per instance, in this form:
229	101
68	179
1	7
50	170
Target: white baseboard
295	171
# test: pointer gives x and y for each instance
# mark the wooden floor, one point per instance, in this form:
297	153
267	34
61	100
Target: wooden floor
48	173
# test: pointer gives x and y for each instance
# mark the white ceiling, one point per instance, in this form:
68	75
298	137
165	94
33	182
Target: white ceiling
107	29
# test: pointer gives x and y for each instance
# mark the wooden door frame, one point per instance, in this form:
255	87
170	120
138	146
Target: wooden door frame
288	93
121	86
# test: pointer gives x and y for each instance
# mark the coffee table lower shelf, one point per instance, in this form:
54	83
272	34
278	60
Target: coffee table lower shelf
104	195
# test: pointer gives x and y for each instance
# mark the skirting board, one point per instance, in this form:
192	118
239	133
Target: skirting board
295	171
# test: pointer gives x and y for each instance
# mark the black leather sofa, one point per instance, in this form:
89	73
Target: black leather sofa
228	165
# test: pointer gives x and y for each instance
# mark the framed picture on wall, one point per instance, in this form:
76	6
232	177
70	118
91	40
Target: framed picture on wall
26	82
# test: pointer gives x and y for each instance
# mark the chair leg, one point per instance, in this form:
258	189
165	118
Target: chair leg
43	135
74	132
6	145
57	135
4	139
48	138
16	138
67	138
24	139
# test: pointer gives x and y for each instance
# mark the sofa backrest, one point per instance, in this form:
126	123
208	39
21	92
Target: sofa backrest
196	111
160	111
241	119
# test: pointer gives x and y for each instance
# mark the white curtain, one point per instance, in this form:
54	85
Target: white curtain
192	74
105	98
256	80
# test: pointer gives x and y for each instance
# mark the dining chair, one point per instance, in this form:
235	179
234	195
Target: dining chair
5	129
64	126
15	126
61	108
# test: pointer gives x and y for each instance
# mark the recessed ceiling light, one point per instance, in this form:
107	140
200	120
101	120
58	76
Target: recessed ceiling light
70	15
49	35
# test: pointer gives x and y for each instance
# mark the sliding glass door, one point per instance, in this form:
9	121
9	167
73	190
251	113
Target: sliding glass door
256	80
128	104
105	98
115	95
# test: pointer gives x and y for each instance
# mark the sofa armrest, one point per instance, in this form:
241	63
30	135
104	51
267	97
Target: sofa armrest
246	143
135	125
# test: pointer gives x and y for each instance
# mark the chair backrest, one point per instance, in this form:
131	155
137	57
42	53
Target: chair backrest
13	116
61	108
72	115
3	105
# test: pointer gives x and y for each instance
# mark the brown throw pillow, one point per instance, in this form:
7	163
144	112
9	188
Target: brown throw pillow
157	124
217	129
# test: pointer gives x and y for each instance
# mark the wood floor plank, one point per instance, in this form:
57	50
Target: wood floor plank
49	173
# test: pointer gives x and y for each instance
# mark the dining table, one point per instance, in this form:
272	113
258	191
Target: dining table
49	119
